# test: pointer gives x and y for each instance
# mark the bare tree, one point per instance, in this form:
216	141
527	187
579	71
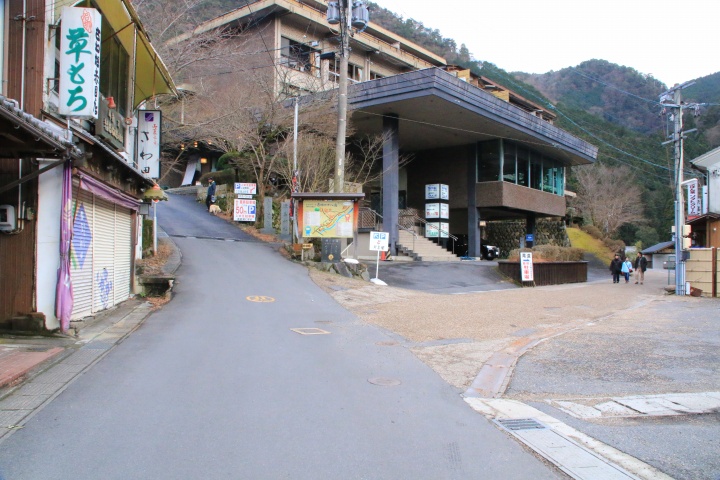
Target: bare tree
608	196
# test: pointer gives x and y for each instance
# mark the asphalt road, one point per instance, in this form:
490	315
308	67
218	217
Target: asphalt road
218	385
667	346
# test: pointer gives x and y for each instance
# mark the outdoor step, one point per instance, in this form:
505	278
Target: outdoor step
438	259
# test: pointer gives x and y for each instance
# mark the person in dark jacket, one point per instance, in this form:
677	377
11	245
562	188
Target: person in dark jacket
640	267
616	268
210	198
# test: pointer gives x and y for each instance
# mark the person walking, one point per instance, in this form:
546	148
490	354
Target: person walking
626	269
640	267
210	198
616	268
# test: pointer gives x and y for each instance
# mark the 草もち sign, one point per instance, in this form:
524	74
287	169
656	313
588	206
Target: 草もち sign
80	62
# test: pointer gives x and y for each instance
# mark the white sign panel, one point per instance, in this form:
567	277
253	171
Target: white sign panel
435	191
432	210
148	142
246	188
432	230
444	230
244	210
526	266
693	201
80	39
379	241
444	210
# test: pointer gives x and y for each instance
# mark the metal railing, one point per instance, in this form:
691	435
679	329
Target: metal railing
368	218
409	219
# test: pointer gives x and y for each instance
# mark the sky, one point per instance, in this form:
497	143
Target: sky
674	41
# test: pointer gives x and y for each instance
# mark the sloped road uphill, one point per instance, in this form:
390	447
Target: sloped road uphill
252	371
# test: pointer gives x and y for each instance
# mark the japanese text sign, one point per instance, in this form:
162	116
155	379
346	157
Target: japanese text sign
379	241
246	188
244	210
148	142
693	198
526	267
80	62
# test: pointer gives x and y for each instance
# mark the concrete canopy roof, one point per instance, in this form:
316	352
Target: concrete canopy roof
707	159
439	110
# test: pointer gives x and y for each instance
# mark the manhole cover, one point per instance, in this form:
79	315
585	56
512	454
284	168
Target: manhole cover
513	424
310	331
260	299
386	344
323	322
385	382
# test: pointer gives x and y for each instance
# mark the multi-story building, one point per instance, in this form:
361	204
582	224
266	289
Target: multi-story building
499	154
70	185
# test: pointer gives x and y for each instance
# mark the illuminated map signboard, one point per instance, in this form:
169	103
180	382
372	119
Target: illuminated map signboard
328	219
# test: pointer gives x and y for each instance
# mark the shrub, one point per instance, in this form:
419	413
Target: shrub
550	253
221	177
615	245
593	231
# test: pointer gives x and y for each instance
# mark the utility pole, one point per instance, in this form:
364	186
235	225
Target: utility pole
672	99
348	14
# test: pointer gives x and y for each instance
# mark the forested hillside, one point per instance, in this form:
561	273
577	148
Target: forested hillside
611	106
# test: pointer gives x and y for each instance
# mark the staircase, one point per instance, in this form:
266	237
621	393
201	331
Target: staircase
421	249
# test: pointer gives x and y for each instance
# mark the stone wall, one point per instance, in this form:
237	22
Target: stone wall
507	234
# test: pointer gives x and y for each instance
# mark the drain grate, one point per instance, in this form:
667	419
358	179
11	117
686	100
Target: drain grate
310	331
514	424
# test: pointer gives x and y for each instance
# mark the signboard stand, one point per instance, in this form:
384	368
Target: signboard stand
526	268
379	242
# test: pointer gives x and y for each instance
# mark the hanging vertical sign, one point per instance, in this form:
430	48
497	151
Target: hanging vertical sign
693	201
148	142
80	62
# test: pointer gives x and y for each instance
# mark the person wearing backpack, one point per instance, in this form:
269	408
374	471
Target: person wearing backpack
640	267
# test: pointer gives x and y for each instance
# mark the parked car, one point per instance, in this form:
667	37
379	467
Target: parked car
489	252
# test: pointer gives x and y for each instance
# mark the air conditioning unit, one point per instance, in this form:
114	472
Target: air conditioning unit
7	218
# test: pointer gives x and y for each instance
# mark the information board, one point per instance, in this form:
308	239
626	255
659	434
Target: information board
244	210
328	219
246	188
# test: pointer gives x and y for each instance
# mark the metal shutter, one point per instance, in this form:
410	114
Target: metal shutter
123	253
81	256
103	255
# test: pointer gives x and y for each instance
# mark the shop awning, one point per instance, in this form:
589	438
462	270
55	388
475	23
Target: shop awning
21	134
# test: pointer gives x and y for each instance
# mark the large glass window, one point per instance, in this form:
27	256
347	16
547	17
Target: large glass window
489	161
509	166
114	68
504	160
535	170
522	166
548	183
297	55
